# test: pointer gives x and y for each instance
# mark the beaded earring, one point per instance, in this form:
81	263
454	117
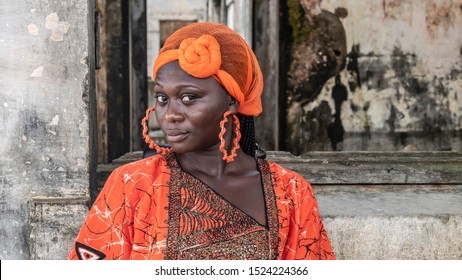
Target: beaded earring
237	132
147	139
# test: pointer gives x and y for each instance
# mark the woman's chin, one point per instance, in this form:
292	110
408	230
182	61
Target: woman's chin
177	148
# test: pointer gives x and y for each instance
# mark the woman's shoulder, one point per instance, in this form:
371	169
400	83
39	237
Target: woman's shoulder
142	168
131	179
288	180
144	163
284	172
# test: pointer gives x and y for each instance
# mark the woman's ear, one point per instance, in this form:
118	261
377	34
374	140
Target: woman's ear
233	105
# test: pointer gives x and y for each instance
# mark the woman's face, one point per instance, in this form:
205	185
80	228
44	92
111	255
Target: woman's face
189	110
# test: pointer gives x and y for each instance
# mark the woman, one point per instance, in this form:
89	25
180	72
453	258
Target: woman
205	197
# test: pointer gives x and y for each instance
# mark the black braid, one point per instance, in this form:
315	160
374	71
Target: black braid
247	143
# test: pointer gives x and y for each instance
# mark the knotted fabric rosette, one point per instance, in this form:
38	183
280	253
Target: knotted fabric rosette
200	57
214	50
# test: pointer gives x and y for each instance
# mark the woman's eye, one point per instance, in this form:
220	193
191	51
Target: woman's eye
187	98
161	98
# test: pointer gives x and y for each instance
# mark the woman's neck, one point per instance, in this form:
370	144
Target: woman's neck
211	163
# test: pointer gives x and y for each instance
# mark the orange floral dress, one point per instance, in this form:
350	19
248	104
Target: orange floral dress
152	209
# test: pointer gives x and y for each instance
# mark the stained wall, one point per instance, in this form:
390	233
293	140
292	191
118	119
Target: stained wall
403	80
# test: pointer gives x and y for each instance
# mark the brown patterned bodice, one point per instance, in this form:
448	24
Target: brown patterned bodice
204	225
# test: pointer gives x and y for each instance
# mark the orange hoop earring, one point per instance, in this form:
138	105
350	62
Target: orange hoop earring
146	137
237	138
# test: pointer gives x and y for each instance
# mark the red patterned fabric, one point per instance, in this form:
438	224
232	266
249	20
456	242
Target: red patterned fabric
151	209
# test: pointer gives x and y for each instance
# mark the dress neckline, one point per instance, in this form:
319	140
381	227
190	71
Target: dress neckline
174	162
180	184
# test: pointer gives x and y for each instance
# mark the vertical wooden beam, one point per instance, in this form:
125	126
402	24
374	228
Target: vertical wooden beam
266	47
138	69
101	88
122	79
117	78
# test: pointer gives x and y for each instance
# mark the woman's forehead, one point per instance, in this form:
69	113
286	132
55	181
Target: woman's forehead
171	74
173	71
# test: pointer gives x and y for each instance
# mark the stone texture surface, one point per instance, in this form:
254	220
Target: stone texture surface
391	200
54	225
383	222
418	237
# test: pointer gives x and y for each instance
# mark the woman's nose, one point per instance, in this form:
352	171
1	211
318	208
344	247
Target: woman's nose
173	113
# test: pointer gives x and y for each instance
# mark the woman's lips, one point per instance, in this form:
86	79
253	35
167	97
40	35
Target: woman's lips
176	136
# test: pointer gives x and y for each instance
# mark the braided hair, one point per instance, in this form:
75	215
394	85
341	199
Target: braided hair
247	143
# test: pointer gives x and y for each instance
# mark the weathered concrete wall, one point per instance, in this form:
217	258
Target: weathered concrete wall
395	237
46	103
403	79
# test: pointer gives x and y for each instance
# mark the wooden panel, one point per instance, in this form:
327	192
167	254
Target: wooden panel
374	167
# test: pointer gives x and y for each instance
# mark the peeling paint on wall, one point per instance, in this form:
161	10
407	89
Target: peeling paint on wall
317	53
54	121
400	10
38	72
33	29
439	16
58	28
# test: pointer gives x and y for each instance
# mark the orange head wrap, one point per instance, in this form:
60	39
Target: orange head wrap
207	49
